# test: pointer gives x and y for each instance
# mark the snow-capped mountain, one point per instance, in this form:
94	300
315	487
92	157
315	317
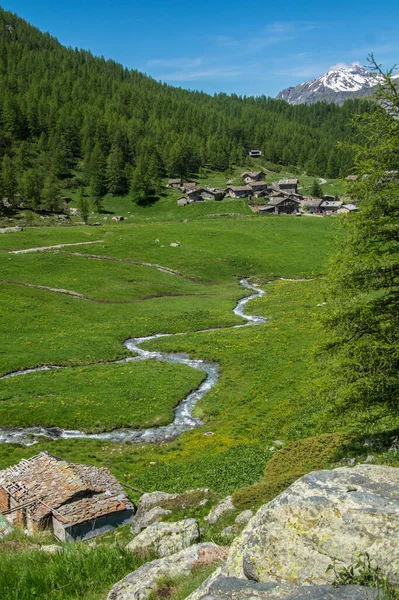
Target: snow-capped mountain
338	85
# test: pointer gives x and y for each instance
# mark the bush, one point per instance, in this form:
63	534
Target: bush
288	465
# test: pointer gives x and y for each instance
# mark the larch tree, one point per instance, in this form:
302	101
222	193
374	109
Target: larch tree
361	316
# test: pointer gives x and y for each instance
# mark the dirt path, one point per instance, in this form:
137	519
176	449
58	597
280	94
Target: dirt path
139	262
55	247
95	300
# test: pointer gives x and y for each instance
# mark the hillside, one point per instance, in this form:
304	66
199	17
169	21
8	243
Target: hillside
69	119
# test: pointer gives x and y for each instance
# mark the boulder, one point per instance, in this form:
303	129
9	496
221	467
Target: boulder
175	244
324	518
144	581
231	588
223	507
164	539
51	549
154	506
154	515
10	229
244	517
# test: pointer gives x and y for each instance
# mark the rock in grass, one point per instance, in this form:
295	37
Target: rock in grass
244	517
154	515
51	549
165	539
154	506
231	588
140	584
323	517
222	508
10	229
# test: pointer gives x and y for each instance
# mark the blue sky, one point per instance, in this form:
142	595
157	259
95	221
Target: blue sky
253	47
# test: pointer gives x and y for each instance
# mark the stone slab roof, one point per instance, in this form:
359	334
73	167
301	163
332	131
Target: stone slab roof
50	482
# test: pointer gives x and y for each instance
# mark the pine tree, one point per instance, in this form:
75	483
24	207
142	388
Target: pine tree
116	172
362	313
317	190
98	183
51	194
83	205
8	179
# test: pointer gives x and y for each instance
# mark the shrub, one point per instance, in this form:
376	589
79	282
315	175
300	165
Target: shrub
288	465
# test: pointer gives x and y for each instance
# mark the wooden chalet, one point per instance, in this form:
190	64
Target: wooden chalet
74	502
239	191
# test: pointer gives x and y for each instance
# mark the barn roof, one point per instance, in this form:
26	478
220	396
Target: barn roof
49	483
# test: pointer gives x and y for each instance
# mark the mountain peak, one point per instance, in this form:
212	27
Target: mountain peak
337	85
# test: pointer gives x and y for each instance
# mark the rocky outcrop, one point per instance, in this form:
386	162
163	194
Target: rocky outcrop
324	518
244	517
154	515
218	511
154	506
231	588
140	584
165	539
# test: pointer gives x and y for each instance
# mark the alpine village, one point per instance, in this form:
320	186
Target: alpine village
199	308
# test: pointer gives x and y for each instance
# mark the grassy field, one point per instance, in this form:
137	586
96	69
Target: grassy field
264	393
261	393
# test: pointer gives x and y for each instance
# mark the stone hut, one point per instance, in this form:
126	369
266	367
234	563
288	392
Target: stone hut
175	183
288	185
312	206
182	201
75	502
252	176
259	189
239	191
286	205
329	207
213	193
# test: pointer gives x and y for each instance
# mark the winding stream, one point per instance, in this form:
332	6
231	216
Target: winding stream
183	419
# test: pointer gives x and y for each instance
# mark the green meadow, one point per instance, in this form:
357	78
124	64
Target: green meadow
267	372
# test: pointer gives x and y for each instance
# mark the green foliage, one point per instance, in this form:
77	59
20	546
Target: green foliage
288	465
365	572
78	572
317	190
65	107
361	356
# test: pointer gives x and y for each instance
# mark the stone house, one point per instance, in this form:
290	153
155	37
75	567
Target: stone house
239	191
75	502
312	206
195	195
329	207
288	185
175	183
286	205
213	193
259	189
187	186
252	176
347	208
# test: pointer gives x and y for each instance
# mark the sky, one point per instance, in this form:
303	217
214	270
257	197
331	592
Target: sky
248	47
